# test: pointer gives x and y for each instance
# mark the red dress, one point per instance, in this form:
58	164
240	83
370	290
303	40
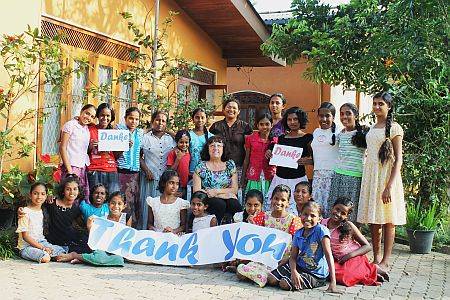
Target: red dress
357	270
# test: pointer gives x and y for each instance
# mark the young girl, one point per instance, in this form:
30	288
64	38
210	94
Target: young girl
346	181
349	247
97	205
199	135
103	165
179	158
156	145
254	200
276	106
279	218
311	260
116	204
325	153
382	201
74	146
256	169
167	213
128	164
295	119
201	219
302	194
32	243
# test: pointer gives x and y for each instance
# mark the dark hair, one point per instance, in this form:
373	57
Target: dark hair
194	112
103	106
180	134
94	188
87	106
332	109
314	205
158	112
304	183
165	177
386	151
301	115
65	181
117	193
203	196
279	95
36	184
132	109
231	99
281	188
262	116
252	194
345	229
359	138
204	155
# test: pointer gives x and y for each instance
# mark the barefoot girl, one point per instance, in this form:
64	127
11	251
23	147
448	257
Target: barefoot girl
382	203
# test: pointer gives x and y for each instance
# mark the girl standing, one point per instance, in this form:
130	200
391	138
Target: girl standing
128	164
346	181
349	247
201	219
167	213
179	158
103	167
382	203
295	119
32	243
156	145
74	146
199	135
325	153
256	169
276	106
311	260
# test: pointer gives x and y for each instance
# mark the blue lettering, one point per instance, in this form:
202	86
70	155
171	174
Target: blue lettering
122	241
190	249
229	243
277	250
103	225
243	242
103	136
164	249
149	247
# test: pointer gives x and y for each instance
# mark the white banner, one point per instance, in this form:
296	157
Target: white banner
206	246
113	140
285	156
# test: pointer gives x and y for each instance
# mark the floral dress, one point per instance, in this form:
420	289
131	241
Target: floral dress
216	179
371	209
258	272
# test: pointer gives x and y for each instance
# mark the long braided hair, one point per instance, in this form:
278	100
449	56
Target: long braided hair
332	109
359	139
386	151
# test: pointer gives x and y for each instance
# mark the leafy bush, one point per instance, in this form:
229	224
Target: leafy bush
7	244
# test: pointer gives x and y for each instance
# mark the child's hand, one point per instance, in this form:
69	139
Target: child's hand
21	213
268	154
333	289
179	154
168	229
343	259
296	280
250	219
386	196
48	250
149	175
131	143
304	161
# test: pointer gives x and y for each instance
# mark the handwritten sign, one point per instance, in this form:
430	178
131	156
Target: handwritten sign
285	156
113	140
206	246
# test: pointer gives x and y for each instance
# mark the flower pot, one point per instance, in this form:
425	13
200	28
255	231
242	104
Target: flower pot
6	218
420	241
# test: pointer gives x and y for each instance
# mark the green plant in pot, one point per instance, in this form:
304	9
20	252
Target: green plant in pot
421	225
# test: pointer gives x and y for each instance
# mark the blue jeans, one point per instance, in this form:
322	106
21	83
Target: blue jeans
108	179
35	254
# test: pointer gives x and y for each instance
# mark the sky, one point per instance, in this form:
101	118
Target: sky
279	5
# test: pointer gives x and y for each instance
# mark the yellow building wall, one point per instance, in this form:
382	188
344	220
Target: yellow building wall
14	20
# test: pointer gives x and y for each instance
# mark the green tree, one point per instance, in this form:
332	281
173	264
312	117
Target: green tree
374	45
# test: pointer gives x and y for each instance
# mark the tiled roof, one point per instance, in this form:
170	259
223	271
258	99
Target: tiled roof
276	17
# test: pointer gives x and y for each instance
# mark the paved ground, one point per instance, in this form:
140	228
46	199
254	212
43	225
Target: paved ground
412	277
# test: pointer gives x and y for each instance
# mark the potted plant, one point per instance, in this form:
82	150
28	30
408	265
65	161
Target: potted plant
421	225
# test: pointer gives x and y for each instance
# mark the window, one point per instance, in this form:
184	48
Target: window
51	124
105	74
125	94
79	95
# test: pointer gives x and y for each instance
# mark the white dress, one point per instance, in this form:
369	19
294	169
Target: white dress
166	215
202	222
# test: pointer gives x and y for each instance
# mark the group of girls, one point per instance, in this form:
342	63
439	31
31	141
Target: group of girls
356	181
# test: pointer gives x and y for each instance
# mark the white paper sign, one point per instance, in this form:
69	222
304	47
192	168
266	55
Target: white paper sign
285	156
206	246
113	140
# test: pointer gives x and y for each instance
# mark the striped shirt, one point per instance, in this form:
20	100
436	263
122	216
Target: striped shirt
129	160
351	158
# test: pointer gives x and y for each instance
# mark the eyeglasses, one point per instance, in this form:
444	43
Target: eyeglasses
216	145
